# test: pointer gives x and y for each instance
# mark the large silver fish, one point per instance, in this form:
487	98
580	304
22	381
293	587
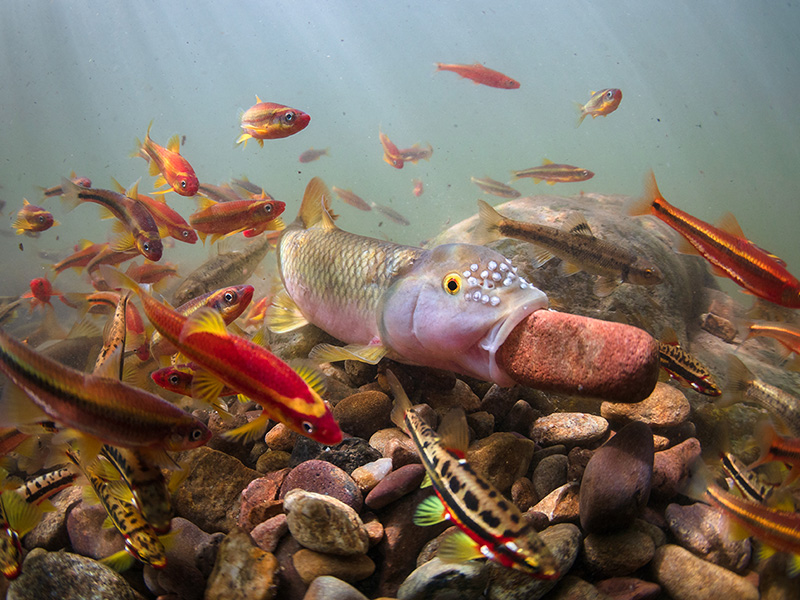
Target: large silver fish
449	307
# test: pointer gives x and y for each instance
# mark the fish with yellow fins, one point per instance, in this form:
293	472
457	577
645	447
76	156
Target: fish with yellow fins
601	104
172	168
449	307
271	121
554	173
32	220
490	526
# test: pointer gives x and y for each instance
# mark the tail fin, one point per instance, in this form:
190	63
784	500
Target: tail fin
643	206
316	198
489	221
739	378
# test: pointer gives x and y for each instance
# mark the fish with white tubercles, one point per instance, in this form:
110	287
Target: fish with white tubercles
490	525
449	307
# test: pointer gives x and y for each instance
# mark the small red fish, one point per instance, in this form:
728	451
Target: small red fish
418	188
554	173
482	75
416	153
169	222
32	219
311	155
601	104
42	291
85	251
173	168
270	121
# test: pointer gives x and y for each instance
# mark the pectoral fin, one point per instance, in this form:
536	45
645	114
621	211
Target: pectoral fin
371	354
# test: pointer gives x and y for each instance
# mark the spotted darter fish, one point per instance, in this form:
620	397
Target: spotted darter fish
449	307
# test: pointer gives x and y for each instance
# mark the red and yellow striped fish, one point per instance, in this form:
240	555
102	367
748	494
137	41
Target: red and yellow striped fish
729	252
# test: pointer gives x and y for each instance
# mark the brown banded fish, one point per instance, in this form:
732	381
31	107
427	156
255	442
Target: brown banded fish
577	247
684	367
141	540
490	526
449	307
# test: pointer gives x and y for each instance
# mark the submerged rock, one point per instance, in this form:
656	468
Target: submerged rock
67	577
439	580
325	524
243	571
616	482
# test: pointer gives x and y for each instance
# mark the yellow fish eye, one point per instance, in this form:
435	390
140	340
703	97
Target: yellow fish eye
452	283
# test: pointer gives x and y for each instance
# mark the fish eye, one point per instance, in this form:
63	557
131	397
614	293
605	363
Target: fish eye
288	117
174	379
41	219
183	184
146	246
196	434
452	283
185	233
268	208
308	428
609	94
229	297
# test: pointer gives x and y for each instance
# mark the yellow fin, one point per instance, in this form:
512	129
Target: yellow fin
313	377
89	496
459	547
174	144
119	561
206	386
370	353
120	490
203	320
430	511
453	431
426	481
547	161
22	516
283	315
249	432
123	242
107	523
316	200
490	220
18	408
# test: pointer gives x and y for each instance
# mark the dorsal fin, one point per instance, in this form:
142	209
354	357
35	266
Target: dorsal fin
174	144
316	200
729	224
547	161
668	336
576	225
453	432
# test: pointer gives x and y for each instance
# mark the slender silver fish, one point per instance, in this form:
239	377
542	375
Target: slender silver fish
449	307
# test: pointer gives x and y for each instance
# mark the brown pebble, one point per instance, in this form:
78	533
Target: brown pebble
310	565
550	350
364	413
665	407
718	326
395	485
523	494
280	438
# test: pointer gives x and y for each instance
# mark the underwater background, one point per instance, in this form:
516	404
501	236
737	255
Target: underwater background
710	104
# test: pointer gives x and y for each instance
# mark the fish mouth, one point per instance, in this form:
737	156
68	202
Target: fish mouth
498	334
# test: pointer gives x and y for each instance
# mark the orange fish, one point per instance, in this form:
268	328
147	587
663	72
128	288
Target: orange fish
270	121
173	168
480	74
220	219
32	219
391	154
418	188
787	335
601	103
85	251
168	221
775	447
416	153
729	252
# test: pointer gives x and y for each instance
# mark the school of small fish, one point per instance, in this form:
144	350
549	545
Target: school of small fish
449	307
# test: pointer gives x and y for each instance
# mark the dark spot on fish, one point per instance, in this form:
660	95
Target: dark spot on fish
502	505
446	469
490	519
485	486
471	501
455	485
514	518
21	249
492	493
